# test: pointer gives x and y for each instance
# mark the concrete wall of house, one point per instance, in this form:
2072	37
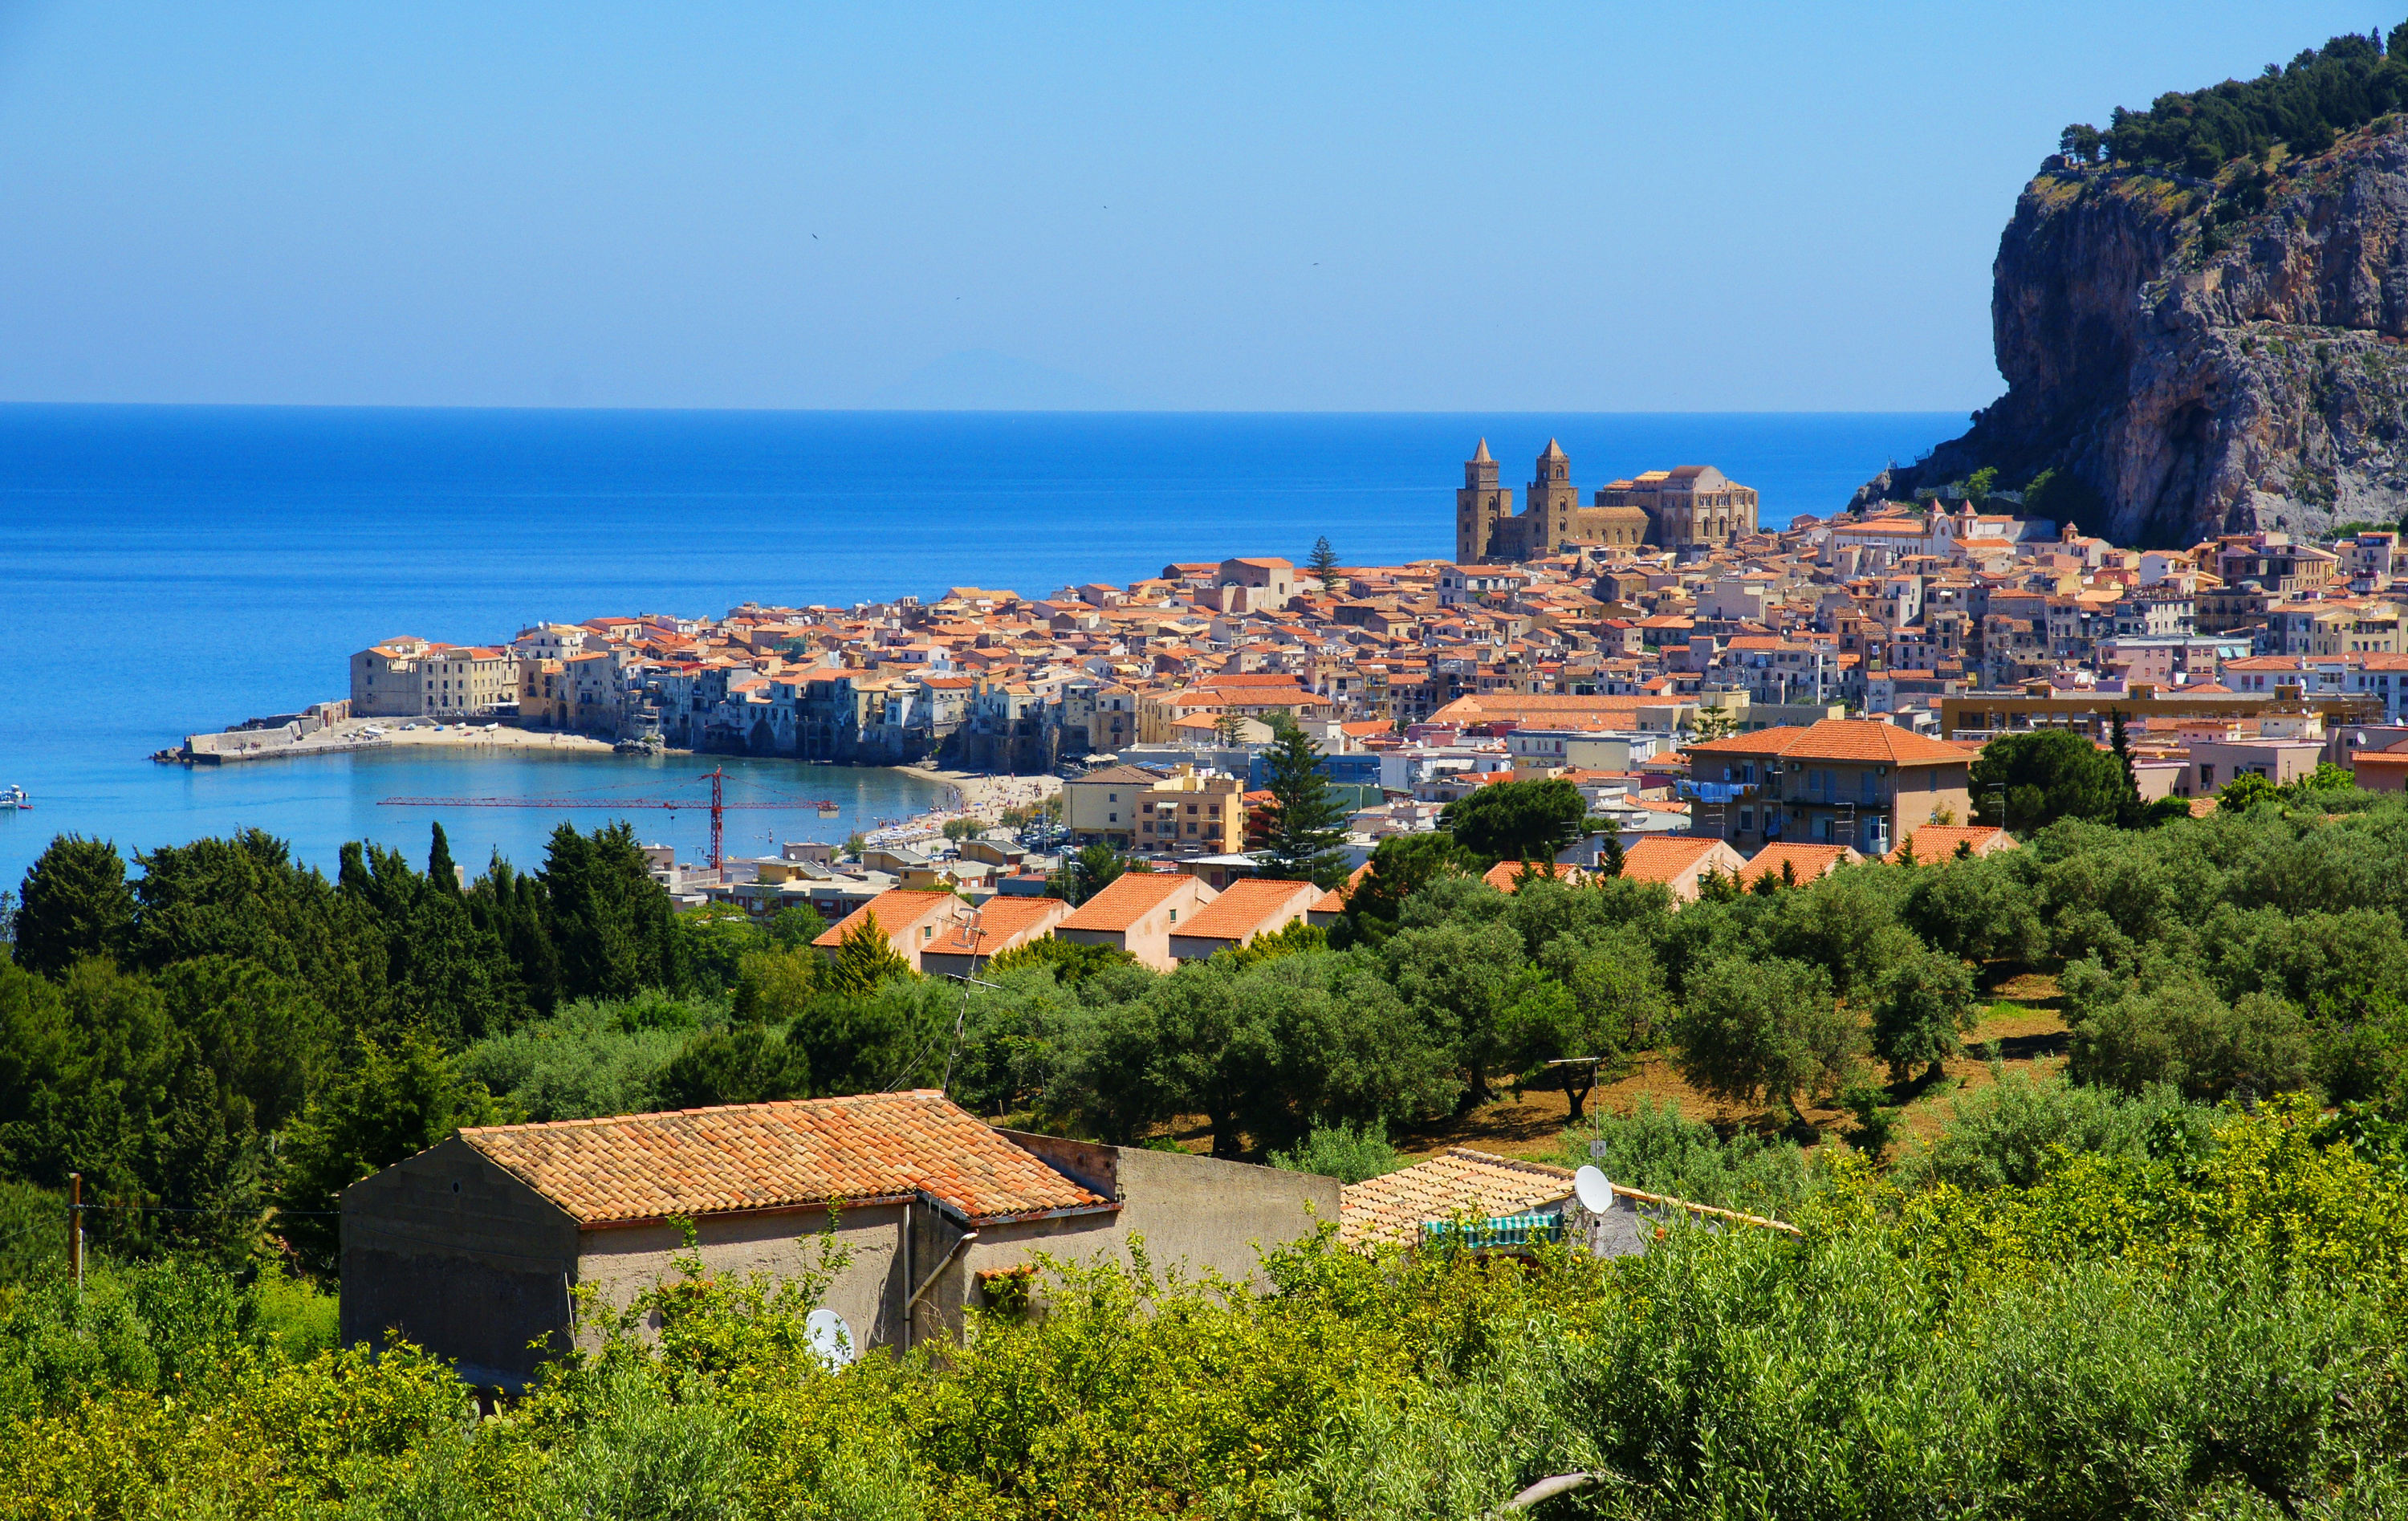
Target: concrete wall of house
455	1253
1211	1215
1194	1214
624	1260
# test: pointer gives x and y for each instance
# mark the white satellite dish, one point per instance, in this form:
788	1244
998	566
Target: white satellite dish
831	1338
1594	1191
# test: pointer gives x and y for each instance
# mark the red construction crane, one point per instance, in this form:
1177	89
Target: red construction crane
717	806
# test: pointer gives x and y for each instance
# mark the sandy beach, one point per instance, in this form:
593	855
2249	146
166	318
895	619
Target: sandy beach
984	797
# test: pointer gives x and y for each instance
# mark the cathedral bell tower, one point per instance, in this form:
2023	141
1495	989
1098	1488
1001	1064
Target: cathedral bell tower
1480	506
1549	508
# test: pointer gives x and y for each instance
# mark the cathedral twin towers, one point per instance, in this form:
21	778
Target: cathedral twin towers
1695	506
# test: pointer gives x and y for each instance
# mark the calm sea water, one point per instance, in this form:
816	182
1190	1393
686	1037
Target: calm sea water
169	569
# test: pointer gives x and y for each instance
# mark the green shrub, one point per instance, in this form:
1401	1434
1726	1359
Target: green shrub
1654	1148
2001	1136
1343	1152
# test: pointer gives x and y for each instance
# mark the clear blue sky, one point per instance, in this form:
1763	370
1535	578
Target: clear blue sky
1587	207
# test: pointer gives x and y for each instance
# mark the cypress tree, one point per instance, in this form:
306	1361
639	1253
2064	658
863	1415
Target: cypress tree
440	869
2128	808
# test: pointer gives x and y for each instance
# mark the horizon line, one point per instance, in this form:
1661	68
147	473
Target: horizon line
979	411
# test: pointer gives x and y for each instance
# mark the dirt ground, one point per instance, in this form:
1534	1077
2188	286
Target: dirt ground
2025	1020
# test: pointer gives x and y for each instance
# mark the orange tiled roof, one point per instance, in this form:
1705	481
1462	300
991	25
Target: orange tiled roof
1839	740
1334	900
898	910
1663	858
1506	876
870	1147
1131	896
1811	861
1771	741
1243	907
1938	842
1000	919
1457	1181
1869	739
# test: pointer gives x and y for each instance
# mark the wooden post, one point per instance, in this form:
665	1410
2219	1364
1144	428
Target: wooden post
74	1227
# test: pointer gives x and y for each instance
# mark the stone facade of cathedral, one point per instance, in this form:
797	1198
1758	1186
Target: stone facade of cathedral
1695	506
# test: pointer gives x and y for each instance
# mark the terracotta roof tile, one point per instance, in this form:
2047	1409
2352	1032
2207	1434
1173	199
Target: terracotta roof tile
1506	876
1811	861
1131	896
1001	921
1839	740
1938	842
1457	1181
1246	906
898	910
1663	858
782	1155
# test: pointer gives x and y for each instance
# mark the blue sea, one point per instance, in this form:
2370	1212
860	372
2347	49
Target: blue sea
164	569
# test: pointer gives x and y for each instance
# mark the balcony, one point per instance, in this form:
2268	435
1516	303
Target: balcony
1719	792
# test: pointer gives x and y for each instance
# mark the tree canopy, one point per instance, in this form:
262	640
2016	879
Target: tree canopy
2321	94
1517	821
2044	776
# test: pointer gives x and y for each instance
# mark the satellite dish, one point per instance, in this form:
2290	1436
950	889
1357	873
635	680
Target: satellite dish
1595	1193
831	1338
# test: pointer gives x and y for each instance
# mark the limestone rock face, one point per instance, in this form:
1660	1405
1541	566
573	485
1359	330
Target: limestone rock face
2199	370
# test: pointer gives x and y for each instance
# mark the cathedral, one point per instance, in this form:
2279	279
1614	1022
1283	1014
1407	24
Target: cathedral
1696	506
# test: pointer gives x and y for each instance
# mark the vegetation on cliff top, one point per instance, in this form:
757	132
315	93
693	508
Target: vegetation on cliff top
2322	94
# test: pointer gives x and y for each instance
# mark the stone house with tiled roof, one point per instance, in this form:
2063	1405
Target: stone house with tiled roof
474	1248
1859	783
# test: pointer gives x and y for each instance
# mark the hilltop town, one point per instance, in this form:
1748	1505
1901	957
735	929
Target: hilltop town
1582	640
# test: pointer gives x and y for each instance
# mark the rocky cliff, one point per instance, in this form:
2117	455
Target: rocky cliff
2192	356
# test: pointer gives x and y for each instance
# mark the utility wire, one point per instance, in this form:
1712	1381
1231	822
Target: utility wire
207	1209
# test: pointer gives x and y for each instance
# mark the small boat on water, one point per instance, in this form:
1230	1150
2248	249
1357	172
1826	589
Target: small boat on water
13	795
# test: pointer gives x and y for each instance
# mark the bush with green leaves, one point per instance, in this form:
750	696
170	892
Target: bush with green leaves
2009	1132
1347	1153
2168	1333
1652	1148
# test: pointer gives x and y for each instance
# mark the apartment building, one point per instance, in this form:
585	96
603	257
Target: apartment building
1859	783
385	680
476	681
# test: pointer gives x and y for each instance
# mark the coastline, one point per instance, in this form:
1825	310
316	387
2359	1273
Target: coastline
353	736
983	796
